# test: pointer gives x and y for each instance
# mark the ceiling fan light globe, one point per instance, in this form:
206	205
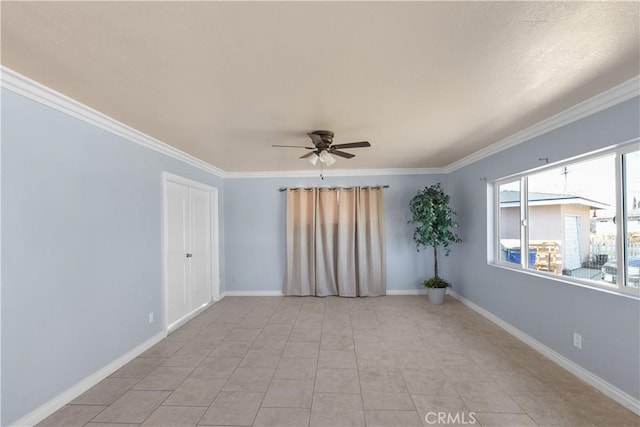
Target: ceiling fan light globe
324	156
327	158
314	159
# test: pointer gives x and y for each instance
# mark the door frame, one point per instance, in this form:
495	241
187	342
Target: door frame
578	225
214	242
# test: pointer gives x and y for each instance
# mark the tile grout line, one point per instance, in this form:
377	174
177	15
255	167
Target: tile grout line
469	334
364	416
274	371
172	391
226	380
315	376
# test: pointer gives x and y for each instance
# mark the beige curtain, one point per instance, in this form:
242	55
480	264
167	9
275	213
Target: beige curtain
301	220
341	250
370	242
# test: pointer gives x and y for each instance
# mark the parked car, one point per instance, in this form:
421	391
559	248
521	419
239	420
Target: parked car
610	271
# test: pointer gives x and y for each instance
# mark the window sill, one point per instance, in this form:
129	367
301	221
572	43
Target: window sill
632	293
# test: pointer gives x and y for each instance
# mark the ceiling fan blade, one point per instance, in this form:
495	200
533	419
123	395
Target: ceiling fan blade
341	154
295	146
309	154
316	139
361	144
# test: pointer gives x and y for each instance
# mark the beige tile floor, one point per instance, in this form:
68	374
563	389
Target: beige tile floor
386	361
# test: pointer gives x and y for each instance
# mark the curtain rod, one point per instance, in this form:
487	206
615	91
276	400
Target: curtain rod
374	186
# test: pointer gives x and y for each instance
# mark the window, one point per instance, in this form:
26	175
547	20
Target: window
631	206
509	221
579	220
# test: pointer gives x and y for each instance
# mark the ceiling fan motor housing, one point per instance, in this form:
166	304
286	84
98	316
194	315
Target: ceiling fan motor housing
326	135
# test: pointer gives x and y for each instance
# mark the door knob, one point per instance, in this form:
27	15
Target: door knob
189	255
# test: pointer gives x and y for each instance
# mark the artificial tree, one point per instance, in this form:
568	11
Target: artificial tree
433	219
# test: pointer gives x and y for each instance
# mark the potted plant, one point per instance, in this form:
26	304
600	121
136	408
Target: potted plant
433	219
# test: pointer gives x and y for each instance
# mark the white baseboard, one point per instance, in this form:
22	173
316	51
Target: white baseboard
590	378
392	292
252	294
190	316
48	408
279	293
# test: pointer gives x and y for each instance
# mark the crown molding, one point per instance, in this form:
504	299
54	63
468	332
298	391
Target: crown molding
606	99
333	172
42	94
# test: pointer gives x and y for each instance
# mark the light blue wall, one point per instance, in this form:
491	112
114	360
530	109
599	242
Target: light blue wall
255	230
81	249
549	310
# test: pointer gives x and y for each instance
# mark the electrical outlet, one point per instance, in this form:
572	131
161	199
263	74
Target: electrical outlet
151	317
577	340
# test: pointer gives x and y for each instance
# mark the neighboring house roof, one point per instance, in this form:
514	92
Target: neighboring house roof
512	198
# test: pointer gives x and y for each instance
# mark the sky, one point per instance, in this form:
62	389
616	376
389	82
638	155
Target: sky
593	179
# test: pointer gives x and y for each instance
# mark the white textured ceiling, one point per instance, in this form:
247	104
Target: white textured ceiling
427	83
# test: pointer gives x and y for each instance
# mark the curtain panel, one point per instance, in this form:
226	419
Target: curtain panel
335	242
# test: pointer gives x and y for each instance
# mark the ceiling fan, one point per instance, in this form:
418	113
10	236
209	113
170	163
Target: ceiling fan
324	149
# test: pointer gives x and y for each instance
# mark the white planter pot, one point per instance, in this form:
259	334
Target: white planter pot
436	295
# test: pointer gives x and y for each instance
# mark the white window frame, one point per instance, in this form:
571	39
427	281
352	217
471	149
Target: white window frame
621	210
621	259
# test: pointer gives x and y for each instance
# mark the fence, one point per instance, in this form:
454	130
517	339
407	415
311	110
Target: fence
609	248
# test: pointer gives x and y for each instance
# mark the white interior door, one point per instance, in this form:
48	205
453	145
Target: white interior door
200	250
191	248
571	242
177	264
